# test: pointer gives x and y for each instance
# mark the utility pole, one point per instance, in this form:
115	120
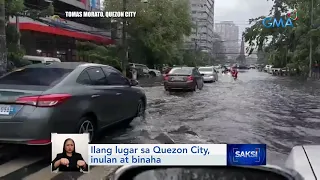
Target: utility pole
3	45
124	40
196	38
310	50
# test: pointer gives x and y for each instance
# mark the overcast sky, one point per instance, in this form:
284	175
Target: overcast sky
240	11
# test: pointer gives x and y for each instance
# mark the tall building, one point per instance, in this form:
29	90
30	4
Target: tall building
229	33
202	12
56	36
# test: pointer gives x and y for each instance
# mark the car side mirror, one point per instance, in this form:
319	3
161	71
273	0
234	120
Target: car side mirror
134	82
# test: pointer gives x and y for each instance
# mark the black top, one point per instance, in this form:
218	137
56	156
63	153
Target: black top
72	163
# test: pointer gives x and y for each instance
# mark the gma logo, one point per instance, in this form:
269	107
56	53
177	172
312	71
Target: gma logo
270	22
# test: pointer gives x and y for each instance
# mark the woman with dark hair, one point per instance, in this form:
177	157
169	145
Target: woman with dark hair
69	159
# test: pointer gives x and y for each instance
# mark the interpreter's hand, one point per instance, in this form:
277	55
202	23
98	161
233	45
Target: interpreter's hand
64	161
81	163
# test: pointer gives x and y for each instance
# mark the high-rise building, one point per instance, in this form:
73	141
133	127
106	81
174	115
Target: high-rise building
229	33
202	12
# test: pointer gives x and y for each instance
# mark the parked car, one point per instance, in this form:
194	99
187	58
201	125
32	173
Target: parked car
252	66
65	97
143	70
40	59
209	74
268	68
187	78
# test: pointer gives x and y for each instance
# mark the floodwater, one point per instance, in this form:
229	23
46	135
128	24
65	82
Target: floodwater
257	108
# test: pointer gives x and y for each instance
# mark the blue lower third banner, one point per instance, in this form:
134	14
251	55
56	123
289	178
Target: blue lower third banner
246	154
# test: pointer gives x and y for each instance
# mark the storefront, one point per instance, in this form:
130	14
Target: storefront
43	39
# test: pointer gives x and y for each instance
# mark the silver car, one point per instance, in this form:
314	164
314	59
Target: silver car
209	74
65	97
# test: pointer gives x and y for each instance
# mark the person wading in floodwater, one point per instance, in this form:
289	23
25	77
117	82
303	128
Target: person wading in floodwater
234	72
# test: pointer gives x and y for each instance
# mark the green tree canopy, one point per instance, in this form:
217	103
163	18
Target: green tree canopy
157	32
287	46
14	50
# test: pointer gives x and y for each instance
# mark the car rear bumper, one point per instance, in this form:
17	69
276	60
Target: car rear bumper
210	78
34	126
179	85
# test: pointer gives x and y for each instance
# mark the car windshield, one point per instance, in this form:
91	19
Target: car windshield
35	76
35	62
181	71
206	69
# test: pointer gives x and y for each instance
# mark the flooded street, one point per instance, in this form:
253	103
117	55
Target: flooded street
258	108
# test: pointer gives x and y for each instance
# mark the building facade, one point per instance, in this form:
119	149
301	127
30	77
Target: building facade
229	33
56	36
202	12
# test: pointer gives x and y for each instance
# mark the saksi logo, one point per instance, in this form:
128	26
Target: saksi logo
246	154
270	22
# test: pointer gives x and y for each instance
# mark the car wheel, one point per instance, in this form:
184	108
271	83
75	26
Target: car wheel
141	108
87	125
152	74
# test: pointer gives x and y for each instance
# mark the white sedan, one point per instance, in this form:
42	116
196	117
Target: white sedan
209	74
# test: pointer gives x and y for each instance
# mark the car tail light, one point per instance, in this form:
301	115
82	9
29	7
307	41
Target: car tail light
166	77
44	101
39	142
189	78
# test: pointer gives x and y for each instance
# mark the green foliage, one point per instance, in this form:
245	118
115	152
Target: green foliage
157	32
196	58
98	54
14	51
13	7
287	46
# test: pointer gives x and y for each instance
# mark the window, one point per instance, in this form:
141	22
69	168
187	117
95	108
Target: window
97	76
35	76
35	62
182	71
84	78
114	77
205	69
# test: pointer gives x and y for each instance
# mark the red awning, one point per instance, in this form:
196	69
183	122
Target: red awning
64	32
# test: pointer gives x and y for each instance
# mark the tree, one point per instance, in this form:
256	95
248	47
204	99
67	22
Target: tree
98	54
13	50
156	34
287	46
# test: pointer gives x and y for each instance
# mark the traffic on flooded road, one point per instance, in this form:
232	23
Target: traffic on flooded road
255	108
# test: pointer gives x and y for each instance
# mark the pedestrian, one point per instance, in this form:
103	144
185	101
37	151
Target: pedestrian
69	160
234	72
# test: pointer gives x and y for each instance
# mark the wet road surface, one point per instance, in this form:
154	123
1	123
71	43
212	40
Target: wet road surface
257	108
